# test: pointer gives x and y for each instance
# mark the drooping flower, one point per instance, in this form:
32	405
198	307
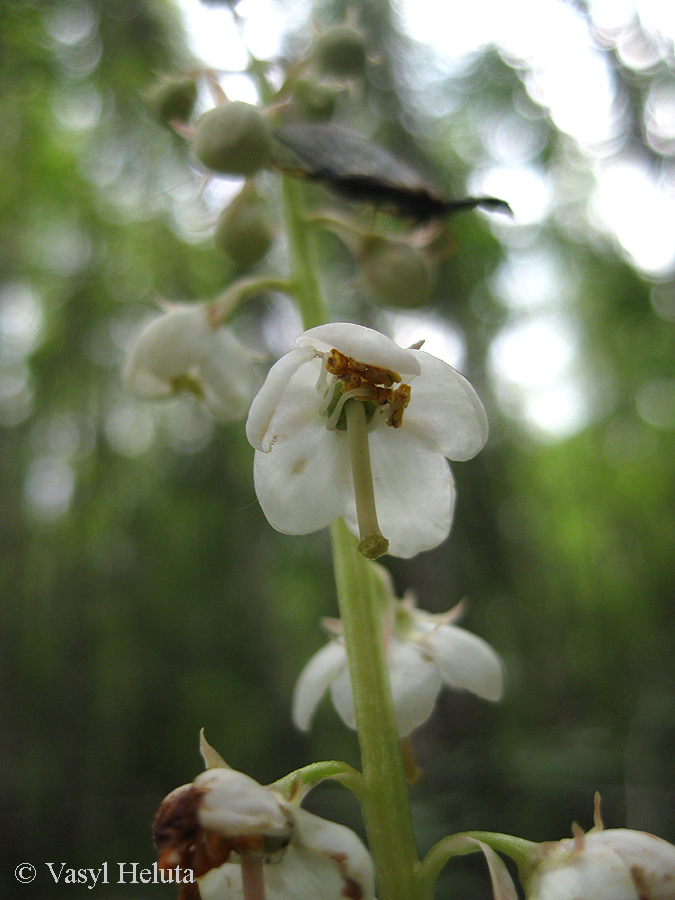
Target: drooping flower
423	652
616	864
243	841
186	349
352	425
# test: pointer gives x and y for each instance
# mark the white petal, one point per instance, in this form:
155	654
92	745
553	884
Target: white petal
363	344
282	399
599	875
233	804
324	861
228	379
466	661
314	680
415	683
168	346
414	492
650	857
446	408
302	482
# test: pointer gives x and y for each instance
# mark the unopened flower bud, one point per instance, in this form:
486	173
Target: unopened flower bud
341	51
244	230
172	99
233	139
395	273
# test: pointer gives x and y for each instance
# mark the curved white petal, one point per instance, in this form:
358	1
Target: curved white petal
466	661
286	398
233	804
445	407
599	875
651	856
414	492
229	380
302	482
342	697
365	345
168	346
314	680
415	683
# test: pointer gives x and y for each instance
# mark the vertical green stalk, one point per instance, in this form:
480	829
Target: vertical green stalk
386	808
373	544
385	803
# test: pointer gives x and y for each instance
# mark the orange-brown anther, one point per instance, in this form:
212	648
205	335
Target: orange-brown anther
373	383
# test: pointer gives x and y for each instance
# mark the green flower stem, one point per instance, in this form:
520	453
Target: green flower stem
524	853
372	544
245	289
305	281
383	790
386	808
296	784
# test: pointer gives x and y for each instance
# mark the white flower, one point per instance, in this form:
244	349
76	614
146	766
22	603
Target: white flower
617	864
419	411
423	652
241	840
183	350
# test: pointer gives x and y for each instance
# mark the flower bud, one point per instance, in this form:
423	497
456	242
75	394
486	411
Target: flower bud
233	139
341	52
172	99
244	230
395	274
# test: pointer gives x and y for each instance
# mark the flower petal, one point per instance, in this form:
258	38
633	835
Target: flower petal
233	804
302	482
228	379
168	346
276	402
466	661
414	492
365	345
415	684
445	407
314	680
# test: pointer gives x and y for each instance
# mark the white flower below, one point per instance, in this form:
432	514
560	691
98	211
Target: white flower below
423	651
419	412
183	350
617	864
242	841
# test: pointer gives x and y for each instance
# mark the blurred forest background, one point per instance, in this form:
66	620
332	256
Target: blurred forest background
143	593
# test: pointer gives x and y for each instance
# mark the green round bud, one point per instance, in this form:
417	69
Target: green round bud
315	100
233	139
172	99
244	230
395	273
341	51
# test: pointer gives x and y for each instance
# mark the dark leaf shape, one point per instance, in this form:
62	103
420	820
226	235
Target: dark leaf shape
362	171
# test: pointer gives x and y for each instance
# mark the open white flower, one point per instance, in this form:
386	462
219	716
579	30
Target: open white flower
184	350
242	841
423	652
316	448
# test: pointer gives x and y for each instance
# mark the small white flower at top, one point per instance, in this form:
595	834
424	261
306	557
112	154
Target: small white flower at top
187	349
352	425
423	652
242	841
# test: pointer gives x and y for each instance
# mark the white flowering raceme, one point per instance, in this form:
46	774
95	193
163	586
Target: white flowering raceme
242	841
350	424
184	349
617	864
423	653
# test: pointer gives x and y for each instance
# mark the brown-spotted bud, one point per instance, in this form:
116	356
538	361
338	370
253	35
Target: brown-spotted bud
172	99
233	139
341	51
244	229
395	273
